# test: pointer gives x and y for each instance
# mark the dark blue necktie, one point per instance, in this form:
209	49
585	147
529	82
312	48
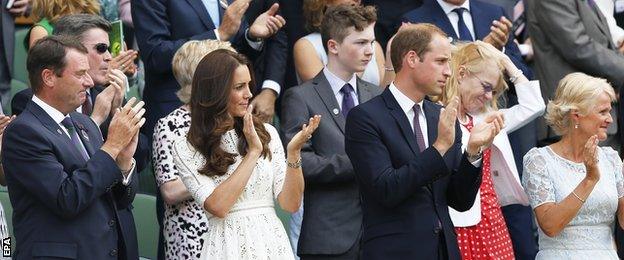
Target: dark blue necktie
67	123
464	33
347	99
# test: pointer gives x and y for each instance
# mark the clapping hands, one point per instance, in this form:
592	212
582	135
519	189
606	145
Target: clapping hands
297	142
483	134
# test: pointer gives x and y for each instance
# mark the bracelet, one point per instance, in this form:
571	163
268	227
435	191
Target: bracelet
577	196
295	165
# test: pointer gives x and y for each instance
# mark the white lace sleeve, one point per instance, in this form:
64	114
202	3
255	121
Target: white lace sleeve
536	180
188	163
278	160
614	159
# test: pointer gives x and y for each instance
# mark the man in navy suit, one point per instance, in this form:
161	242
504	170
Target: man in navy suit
162	26
66	186
486	22
407	156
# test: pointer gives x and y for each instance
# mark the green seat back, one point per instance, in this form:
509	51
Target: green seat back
146	225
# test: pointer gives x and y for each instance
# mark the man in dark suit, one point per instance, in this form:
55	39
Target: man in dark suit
477	19
104	97
407	154
390	12
162	26
66	186
332	219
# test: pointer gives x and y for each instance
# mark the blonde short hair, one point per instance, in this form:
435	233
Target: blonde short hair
55	9
576	91
474	57
185	62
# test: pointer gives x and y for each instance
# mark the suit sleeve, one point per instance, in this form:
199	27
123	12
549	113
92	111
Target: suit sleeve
335	168
561	18
33	164
390	184
124	195
276	58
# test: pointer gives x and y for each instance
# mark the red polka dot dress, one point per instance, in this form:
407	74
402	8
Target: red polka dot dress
490	238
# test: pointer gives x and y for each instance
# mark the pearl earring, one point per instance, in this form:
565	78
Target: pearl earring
576	126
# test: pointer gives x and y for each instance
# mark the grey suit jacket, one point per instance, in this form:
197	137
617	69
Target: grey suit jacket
568	36
332	218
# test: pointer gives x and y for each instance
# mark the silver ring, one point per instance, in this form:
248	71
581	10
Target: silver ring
309	137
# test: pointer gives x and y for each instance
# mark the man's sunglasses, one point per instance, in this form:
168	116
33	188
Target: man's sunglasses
101	48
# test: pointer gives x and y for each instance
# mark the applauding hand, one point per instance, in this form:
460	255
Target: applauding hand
483	134
254	145
304	135
446	126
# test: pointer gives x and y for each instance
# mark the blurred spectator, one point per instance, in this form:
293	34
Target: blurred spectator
4	230
389	14
49	11
607	7
571	36
309	52
7	44
269	66
184	220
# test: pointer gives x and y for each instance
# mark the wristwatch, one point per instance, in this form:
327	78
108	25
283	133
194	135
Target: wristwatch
474	157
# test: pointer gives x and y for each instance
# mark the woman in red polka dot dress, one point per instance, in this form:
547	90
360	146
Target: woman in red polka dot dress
478	78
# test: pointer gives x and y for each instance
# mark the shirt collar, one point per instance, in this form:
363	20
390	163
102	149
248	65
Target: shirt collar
448	8
405	102
337	83
56	115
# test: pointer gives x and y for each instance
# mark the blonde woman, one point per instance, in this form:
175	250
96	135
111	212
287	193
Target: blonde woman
184	222
575	187
478	79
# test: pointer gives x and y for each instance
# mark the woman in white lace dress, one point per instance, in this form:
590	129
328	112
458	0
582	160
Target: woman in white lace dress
235	167
575	187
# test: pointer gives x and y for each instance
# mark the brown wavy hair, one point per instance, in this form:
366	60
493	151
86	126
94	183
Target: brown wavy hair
55	9
210	94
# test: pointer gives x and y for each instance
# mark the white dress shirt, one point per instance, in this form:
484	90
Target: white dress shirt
407	105
452	16
337	83
57	116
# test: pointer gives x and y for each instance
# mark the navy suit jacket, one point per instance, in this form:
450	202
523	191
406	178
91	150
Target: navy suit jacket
482	16
405	192
162	27
64	206
22	98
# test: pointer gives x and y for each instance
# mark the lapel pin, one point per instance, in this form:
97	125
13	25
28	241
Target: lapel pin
58	130
84	134
336	111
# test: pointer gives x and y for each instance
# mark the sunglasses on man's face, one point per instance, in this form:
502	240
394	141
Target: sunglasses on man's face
101	48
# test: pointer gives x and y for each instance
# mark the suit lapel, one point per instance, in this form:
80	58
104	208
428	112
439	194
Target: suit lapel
83	133
399	116
364	91
322	87
440	18
55	128
479	20
202	13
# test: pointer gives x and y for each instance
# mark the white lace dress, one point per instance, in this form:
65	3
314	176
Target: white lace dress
550	178
251	230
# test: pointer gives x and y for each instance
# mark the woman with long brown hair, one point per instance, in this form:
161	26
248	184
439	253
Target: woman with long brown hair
234	165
